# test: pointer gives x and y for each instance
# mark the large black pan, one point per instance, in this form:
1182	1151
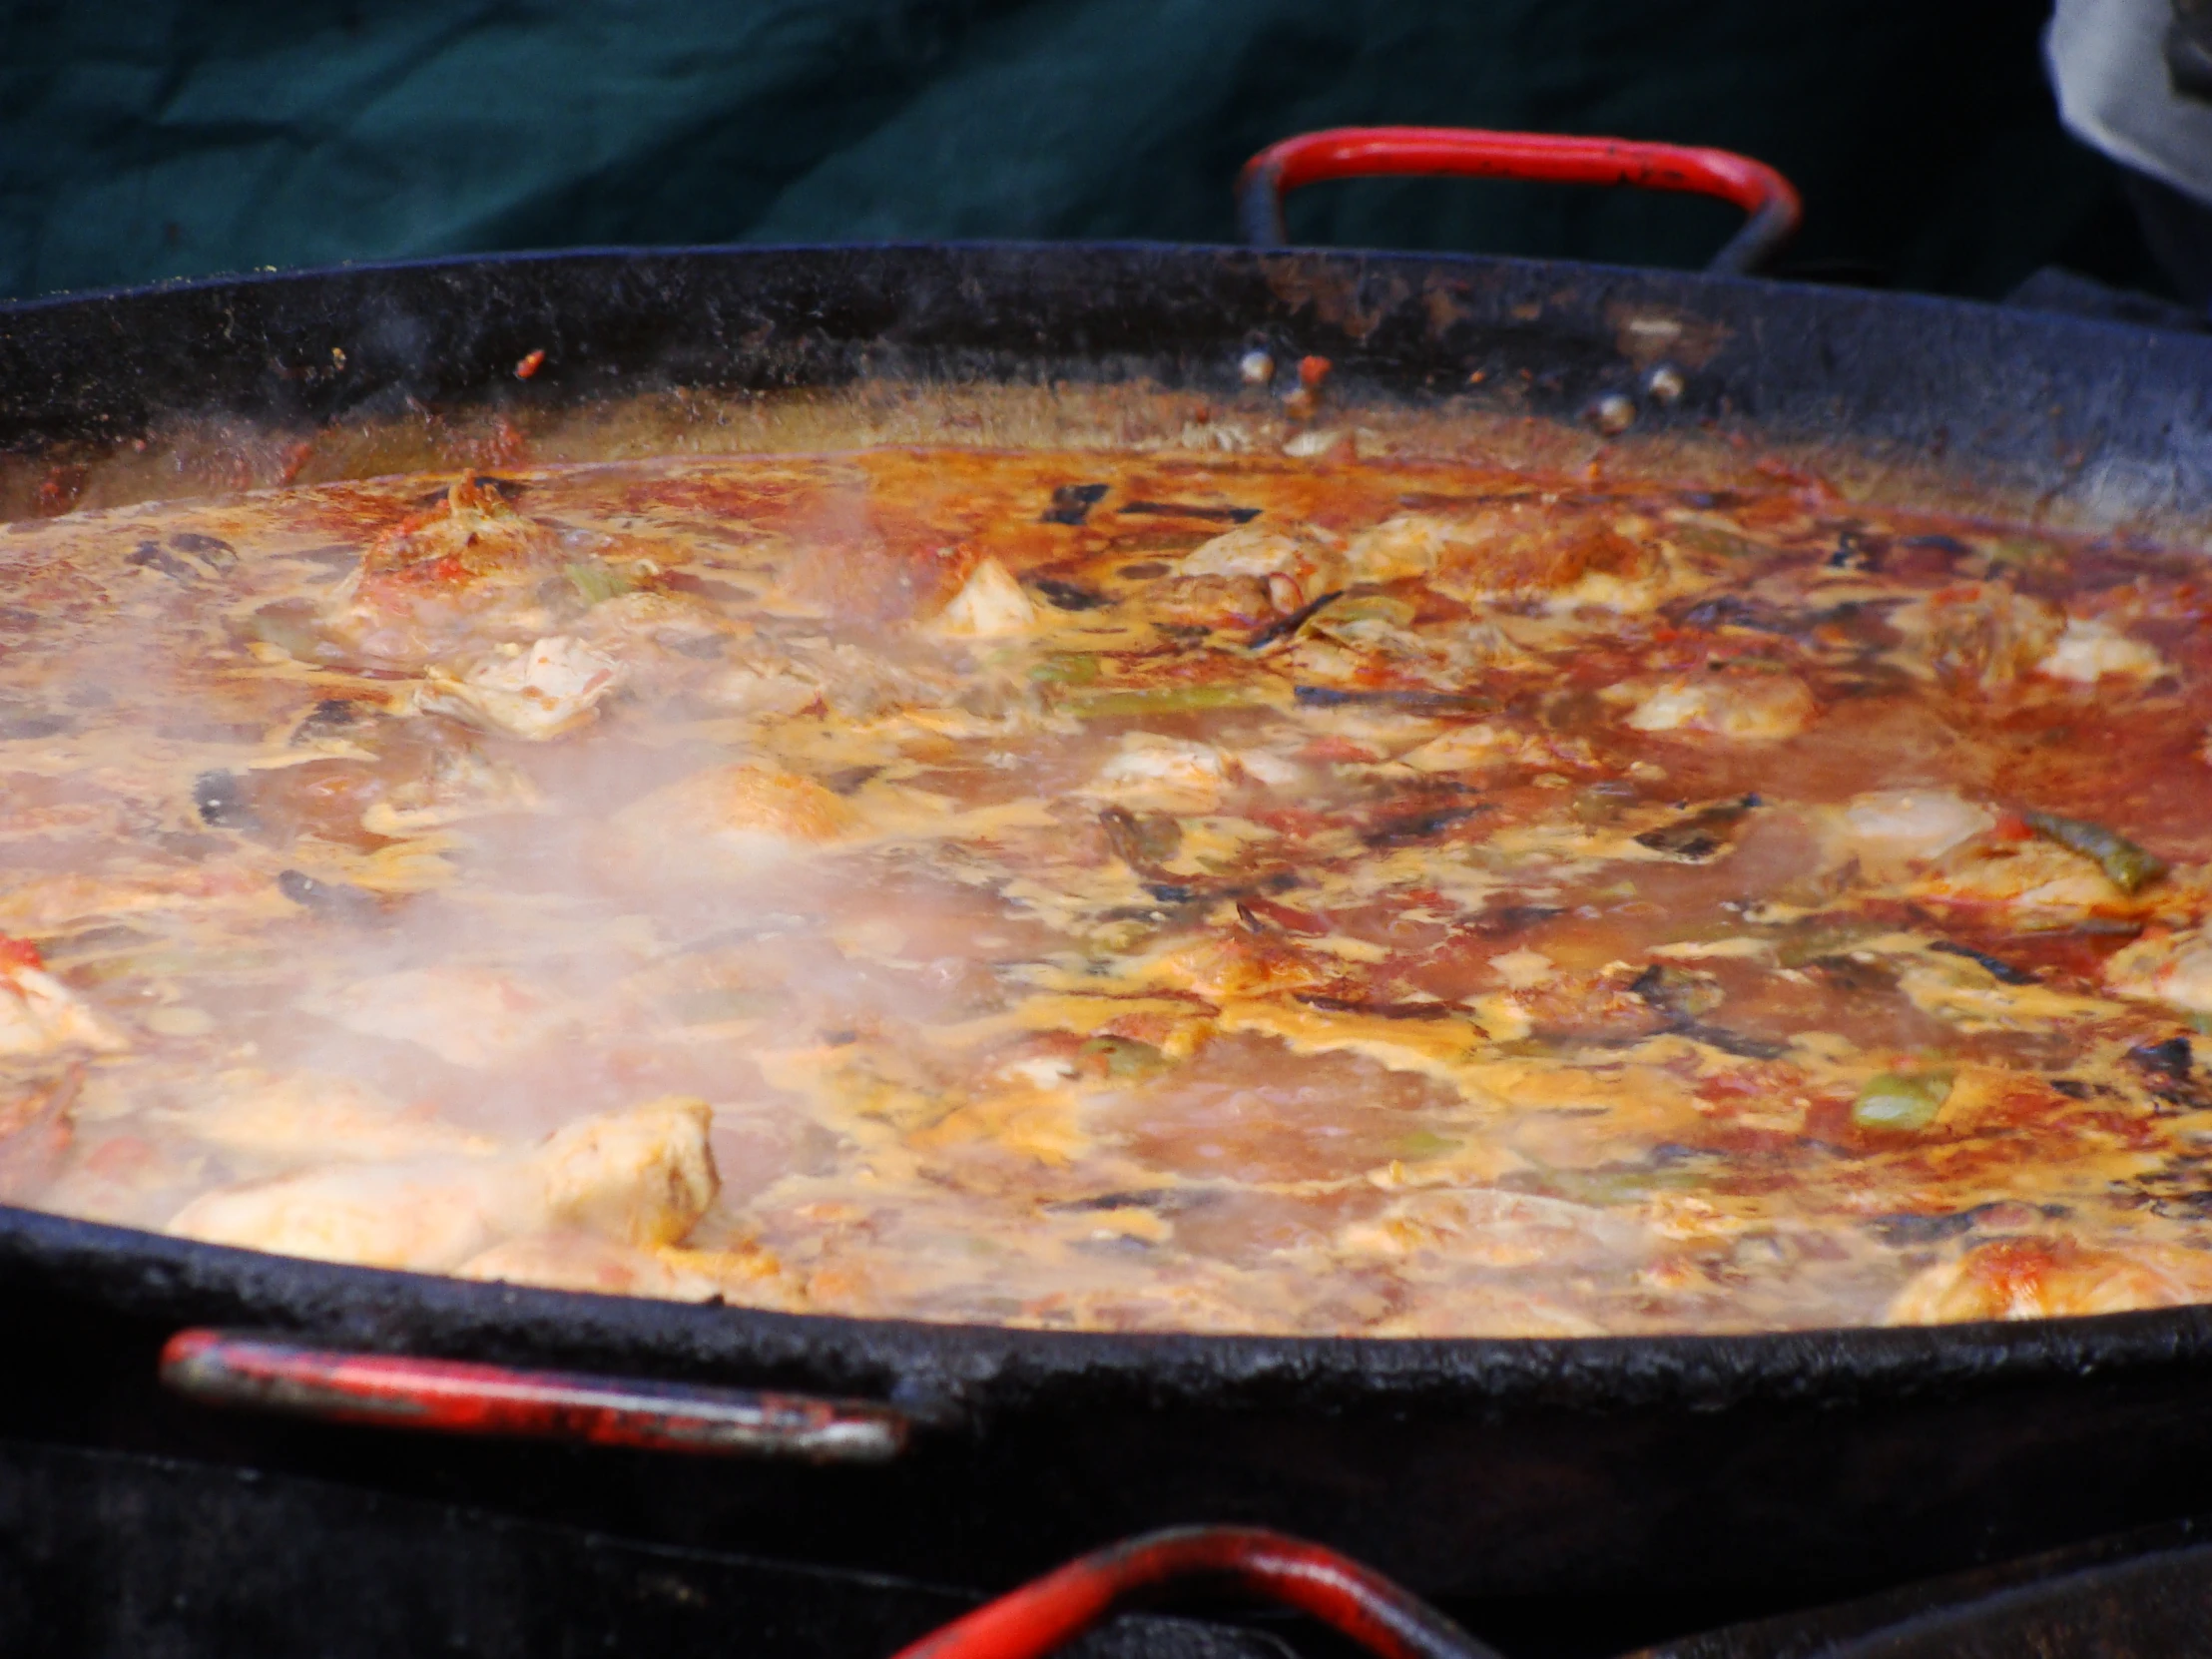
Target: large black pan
1753	1467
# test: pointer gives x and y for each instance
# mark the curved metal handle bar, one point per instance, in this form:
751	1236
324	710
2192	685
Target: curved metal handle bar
1047	1612
448	1396
1545	158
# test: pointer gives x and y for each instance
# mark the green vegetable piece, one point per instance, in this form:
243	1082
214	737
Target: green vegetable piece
1425	1143
714	1003
1068	669
290	632
1899	1100
2126	865
1705	539
1156	699
596	580
1125	1057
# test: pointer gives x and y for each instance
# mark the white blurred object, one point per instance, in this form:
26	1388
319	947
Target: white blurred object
2107	61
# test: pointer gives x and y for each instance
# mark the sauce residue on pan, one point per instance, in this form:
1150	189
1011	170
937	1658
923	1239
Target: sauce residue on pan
1119	892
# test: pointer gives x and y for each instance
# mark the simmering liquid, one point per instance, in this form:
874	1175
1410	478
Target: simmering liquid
1119	892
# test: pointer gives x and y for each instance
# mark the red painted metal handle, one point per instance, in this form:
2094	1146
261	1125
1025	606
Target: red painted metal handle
448	1396
1545	158
1050	1611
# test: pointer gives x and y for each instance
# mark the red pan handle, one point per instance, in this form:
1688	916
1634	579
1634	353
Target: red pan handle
1048	1612
447	1397
1545	158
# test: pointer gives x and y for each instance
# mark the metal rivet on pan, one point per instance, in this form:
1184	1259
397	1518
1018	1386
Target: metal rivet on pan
1613	413
1665	384
1256	368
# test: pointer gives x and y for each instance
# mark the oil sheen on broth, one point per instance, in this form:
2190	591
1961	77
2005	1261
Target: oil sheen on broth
1119	892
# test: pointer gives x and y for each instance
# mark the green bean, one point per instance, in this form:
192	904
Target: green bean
2126	865
1899	1100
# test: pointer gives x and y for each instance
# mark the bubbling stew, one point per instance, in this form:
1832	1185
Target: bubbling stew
1117	891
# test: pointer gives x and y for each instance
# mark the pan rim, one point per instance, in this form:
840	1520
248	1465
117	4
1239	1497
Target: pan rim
148	1271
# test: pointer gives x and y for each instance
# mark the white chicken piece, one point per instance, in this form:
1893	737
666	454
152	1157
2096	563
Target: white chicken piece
2049	1277
1889	830
639	1178
2031	882
41	1015
470	1016
1748	707
309	1116
539	694
2174	968
462	787
1247	550
426	1217
1410	544
643	1177
1467	748
2088	651
796	674
1301	557
1517	551
989	605
744	814
1167	774
1986	635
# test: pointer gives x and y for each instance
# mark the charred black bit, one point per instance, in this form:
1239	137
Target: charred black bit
1068	596
1849	974
1729	1042
1855	550
1905	1230
1503	921
1072	503
221	800
1702	833
1680	997
1167	1200
214	549
332	714
2073	1088
2002	971
2170	1059
1574	709
1416	827
1381	1010
1345	697
1143	571
1180	509
1183	630
1171	893
1283	625
1676	992
152	556
847	779
332	899
1254	922
1141	844
1731	610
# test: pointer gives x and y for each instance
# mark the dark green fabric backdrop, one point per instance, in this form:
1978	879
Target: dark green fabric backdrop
142	139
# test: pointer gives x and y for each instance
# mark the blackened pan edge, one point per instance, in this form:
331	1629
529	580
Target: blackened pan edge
2113	418
148	1277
